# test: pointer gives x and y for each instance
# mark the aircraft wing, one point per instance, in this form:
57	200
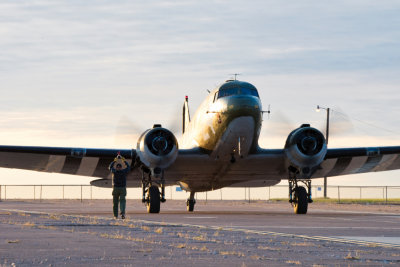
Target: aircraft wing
93	162
342	161
76	161
197	168
268	165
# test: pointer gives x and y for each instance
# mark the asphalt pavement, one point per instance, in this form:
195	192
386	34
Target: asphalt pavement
55	232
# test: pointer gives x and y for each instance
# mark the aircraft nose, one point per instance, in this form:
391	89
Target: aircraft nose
245	104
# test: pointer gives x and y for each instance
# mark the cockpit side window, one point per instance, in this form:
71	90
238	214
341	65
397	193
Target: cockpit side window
215	96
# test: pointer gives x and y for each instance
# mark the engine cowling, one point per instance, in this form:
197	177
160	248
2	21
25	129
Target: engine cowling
305	149
157	149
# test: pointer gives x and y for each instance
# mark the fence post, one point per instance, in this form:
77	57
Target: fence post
338	193
383	192
269	193
386	194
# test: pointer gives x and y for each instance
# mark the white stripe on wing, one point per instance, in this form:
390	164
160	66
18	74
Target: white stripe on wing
88	166
356	164
386	161
55	164
327	166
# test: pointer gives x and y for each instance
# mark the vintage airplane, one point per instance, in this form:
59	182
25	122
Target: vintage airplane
219	149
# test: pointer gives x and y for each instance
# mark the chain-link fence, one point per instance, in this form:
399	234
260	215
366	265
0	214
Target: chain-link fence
41	192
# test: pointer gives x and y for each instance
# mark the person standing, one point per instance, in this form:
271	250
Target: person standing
120	170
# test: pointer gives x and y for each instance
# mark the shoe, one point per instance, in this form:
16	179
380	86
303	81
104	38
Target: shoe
122	216
115	217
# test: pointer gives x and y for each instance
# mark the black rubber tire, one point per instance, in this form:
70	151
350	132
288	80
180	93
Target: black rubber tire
190	205
300	204
153	205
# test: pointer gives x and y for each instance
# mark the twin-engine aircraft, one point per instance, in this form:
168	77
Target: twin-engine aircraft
219	149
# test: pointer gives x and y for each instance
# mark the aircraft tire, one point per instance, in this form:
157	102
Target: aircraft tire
301	200
153	205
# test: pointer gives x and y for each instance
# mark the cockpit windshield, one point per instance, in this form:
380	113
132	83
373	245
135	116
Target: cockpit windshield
236	89
228	92
249	91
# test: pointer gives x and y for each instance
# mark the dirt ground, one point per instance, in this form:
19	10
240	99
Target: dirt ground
57	233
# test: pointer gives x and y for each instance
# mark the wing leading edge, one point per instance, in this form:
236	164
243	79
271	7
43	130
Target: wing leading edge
76	161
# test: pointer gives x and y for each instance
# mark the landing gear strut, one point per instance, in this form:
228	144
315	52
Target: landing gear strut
150	191
190	202
299	197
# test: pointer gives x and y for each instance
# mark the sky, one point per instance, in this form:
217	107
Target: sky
98	73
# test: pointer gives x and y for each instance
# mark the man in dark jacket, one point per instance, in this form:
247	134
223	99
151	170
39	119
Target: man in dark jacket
120	169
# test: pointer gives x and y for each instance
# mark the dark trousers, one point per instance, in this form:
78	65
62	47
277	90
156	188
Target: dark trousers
119	194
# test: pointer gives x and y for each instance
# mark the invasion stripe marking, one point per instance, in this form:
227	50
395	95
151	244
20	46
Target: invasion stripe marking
71	165
386	161
356	164
102	168
395	164
55	163
326	167
340	166
371	163
88	166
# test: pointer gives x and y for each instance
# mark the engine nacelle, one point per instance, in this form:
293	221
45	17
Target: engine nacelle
305	149
157	149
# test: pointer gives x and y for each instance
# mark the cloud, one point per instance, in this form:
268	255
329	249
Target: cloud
70	69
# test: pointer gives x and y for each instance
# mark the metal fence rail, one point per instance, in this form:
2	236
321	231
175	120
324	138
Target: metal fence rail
40	192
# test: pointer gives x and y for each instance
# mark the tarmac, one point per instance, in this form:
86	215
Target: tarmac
217	233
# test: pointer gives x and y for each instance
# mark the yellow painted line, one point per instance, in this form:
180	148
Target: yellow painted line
248	231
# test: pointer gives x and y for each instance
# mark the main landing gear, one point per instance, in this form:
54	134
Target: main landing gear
150	191
299	197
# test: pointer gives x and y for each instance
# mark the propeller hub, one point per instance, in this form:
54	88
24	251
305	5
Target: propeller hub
159	144
309	144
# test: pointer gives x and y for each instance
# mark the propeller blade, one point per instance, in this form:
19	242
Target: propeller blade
127	132
278	124
339	123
